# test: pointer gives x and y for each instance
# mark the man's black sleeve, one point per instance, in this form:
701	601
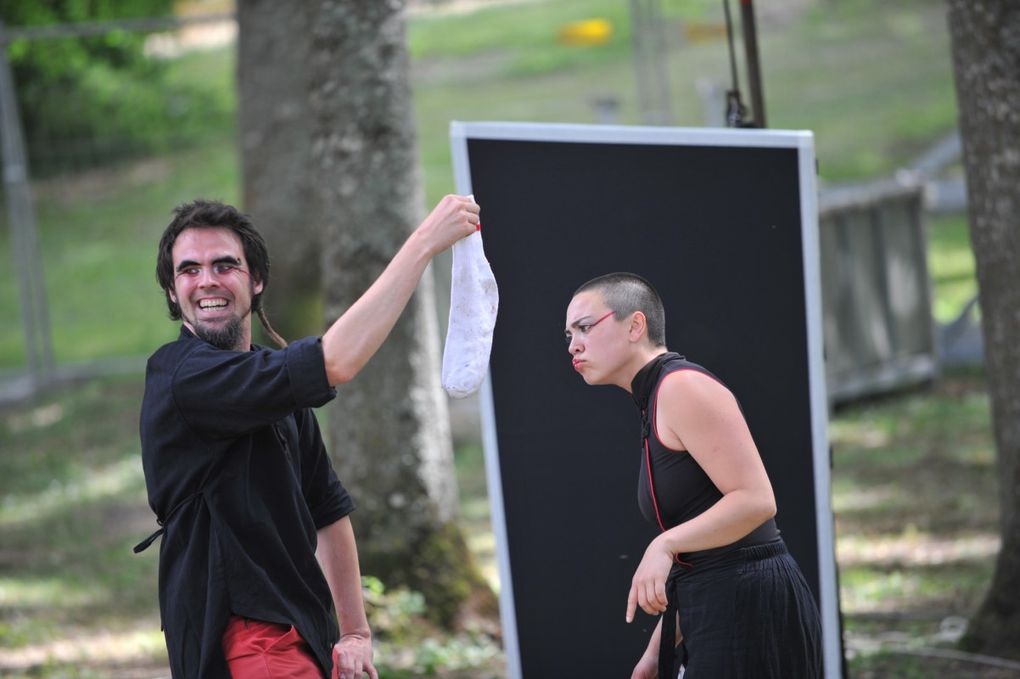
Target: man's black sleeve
325	495
228	393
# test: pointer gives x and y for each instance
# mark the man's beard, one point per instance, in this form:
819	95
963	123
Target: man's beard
226	336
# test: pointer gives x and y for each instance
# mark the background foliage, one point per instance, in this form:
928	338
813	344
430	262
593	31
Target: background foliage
95	100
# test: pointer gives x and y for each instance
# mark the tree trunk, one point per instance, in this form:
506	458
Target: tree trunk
986	58
389	428
276	146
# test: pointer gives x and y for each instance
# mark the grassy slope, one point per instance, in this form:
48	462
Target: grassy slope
871	79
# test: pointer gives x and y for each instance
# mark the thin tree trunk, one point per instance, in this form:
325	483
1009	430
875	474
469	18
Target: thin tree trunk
276	148
389	428
986	59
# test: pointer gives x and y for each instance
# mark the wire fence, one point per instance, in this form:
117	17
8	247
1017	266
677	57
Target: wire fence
103	126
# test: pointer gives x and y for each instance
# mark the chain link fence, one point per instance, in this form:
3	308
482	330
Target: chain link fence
105	127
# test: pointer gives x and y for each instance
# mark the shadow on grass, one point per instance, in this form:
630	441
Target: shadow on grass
930	494
76	602
915	490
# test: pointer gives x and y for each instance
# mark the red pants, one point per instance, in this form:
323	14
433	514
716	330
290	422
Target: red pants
265	650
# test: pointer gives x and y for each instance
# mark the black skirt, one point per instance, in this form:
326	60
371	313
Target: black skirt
747	615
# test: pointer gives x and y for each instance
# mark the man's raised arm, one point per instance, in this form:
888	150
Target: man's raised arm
355	337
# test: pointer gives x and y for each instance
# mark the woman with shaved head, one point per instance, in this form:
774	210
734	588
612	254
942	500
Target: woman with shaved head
719	571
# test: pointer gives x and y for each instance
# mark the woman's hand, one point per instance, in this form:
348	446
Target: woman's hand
648	586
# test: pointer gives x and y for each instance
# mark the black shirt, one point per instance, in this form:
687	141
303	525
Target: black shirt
239	478
682	489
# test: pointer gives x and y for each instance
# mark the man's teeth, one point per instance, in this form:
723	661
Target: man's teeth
210	303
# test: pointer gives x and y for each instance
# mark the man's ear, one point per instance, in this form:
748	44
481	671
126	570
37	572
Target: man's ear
173	295
638	326
258	287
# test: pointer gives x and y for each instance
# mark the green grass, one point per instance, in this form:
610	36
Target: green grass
98	234
67	463
72	504
527	34
914	495
951	265
871	79
520	31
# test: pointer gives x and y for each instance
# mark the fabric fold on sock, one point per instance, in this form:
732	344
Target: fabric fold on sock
474	302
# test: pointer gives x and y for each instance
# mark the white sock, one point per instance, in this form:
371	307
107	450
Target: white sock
474	301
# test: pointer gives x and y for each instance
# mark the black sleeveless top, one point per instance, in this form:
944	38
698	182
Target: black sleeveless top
682	489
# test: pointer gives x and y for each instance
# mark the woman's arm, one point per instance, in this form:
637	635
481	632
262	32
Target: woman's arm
698	414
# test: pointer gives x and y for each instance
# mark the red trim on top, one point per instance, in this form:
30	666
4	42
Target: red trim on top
655	501
651	486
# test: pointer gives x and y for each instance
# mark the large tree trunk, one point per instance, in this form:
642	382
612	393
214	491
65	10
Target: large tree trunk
389	428
986	58
276	147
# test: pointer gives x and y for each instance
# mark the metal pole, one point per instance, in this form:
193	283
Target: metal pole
650	62
753	63
24	241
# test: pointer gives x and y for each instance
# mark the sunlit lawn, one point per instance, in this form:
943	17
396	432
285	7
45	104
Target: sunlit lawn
826	68
914	491
914	494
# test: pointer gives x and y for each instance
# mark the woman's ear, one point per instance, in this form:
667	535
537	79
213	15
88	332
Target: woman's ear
638	327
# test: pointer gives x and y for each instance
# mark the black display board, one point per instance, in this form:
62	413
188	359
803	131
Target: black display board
724	224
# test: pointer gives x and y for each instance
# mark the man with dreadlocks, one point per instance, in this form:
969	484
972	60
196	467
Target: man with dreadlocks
258	552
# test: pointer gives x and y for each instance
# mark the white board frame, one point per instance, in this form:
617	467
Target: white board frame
803	142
